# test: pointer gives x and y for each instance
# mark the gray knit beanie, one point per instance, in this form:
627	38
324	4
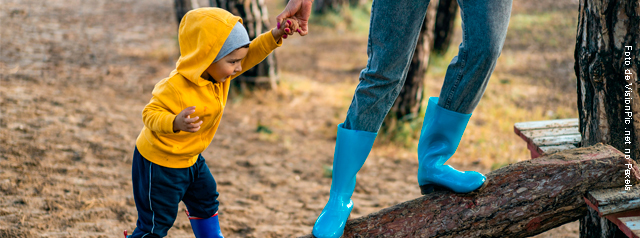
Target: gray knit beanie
237	38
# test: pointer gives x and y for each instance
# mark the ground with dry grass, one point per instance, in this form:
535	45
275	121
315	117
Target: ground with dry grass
75	75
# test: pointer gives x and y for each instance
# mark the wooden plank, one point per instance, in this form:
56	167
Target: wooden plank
551	132
572	122
535	151
630	226
551	136
549	144
556	140
618	206
522	135
615	200
545	150
633	223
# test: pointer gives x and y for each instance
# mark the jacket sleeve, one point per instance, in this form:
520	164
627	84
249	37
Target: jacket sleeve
157	115
259	49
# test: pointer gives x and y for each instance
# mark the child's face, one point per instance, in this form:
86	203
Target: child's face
229	65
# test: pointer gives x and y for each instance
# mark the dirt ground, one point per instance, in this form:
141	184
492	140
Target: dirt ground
75	75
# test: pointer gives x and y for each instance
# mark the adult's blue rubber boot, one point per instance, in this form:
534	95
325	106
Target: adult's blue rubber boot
441	132
205	227
352	149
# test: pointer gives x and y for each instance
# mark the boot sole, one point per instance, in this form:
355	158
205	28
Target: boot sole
430	188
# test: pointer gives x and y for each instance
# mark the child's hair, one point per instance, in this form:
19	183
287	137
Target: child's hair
241	47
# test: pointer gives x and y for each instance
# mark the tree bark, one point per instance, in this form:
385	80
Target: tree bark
322	6
604	29
443	32
407	105
255	17
592	226
181	8
520	200
602	61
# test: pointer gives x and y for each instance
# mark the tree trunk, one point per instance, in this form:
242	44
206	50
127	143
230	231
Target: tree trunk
605	30
321	6
592	226
443	32
407	105
520	200
256	20
607	56
181	7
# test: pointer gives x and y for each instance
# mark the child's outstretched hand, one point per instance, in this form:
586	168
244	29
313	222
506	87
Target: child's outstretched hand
184	122
288	27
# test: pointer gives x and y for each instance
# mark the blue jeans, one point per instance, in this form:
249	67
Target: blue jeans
395	26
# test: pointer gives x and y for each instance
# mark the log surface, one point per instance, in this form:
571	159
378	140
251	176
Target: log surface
519	200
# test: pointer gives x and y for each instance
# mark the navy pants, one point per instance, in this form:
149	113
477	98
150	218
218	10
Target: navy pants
158	190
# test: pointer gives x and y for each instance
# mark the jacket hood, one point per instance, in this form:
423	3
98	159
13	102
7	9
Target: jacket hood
201	34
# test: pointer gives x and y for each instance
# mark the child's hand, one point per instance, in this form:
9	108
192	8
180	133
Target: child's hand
184	122
288	27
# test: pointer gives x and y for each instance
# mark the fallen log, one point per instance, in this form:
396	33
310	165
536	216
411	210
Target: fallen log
519	200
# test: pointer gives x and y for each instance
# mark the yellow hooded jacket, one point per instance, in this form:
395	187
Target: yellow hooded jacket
202	33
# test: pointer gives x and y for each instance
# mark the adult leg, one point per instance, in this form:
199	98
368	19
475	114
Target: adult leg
157	192
395	26
484	29
393	34
202	203
484	26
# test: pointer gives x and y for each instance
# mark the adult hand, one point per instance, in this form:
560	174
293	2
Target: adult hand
299	10
289	27
184	122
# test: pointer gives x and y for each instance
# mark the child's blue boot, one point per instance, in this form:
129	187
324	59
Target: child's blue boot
442	130
352	149
205	227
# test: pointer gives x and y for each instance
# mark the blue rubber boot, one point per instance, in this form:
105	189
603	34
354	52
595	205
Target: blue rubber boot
352	149
205	228
442	130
